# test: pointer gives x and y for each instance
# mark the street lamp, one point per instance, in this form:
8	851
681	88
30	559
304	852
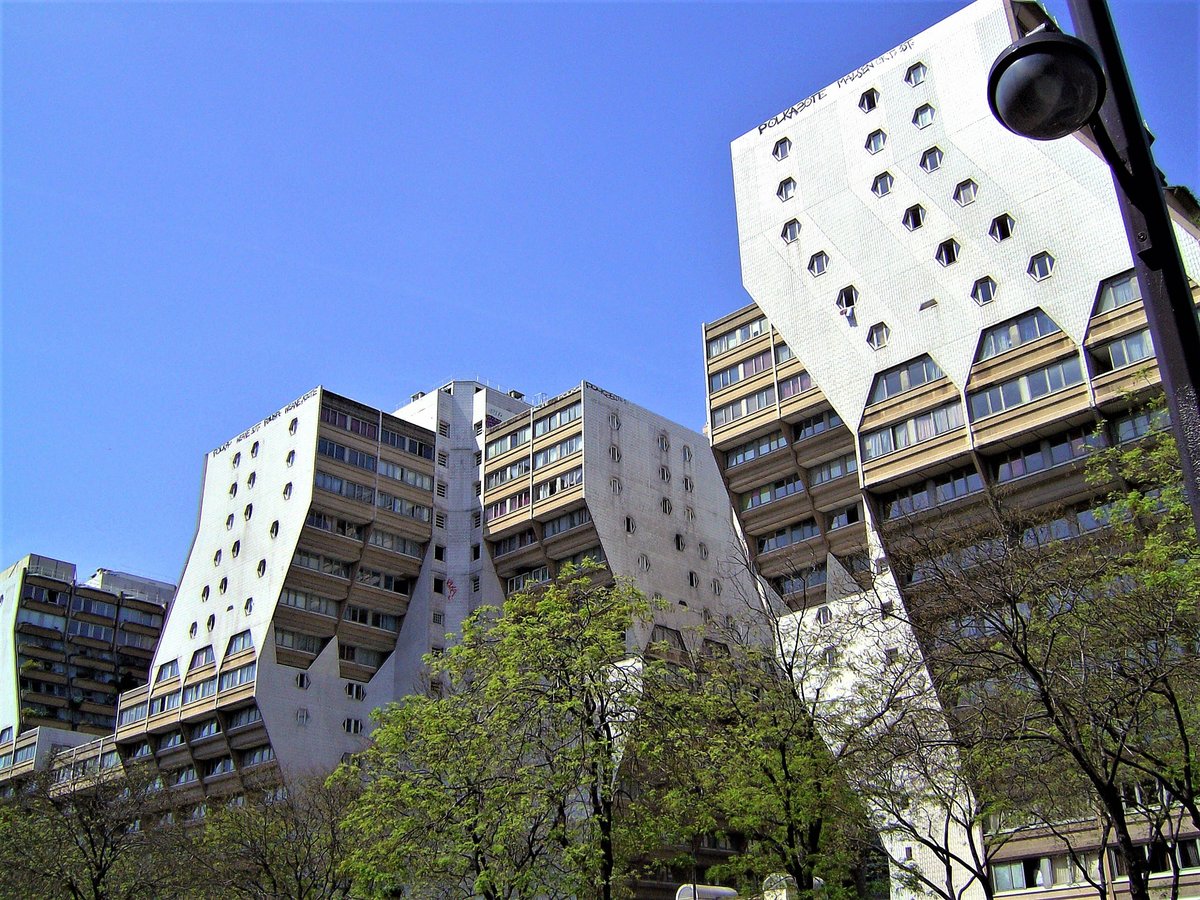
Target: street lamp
1049	85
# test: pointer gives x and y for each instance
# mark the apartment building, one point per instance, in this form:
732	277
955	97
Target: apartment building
589	474
338	544
70	648
938	306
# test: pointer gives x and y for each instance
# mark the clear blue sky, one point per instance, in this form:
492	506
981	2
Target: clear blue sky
210	208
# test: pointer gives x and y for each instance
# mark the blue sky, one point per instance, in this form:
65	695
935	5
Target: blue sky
210	208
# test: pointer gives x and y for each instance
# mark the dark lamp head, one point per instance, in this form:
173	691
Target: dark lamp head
1046	86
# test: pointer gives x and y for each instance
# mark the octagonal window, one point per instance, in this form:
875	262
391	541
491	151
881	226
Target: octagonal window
786	189
869	100
916	74
984	290
878	334
791	231
1041	265
882	185
947	252
875	141
782	148
914	217
964	193
923	117
818	263
931	159
1001	228
846	299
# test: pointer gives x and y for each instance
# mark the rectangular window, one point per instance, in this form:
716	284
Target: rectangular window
131	714
508	505
348	455
295	640
404	507
200	690
1015	332
407	444
735	338
515	470
1026	388
202	657
566	522
396	543
1041	455
795	384
735	373
167	670
791	534
385	581
557	419
744	406
1118	292
502	445
906	377
760	446
515	542
407	476
540	575
341	486
768	493
164	702
308	601
567	480
833	469
349	423
561	450
814	425
912	431
1124	351
237	677
239	642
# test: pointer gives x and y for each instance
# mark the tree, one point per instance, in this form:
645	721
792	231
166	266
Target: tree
279	843
510	783
1067	653
91	838
760	770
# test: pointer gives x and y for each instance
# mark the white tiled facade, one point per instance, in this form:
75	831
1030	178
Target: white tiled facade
868	213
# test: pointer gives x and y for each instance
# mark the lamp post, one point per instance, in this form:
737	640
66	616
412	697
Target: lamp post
1049	85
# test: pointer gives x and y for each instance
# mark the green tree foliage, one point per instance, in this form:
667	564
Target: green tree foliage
509	784
1071	659
742	757
278	844
91	840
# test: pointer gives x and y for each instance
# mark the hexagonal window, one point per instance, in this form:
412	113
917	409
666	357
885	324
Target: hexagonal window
875	141
882	185
916	74
1002	228
923	117
846	299
964	194
914	217
947	252
818	263
931	159
869	100
786	189
1041	265
984	291
782	148
878	334
791	231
